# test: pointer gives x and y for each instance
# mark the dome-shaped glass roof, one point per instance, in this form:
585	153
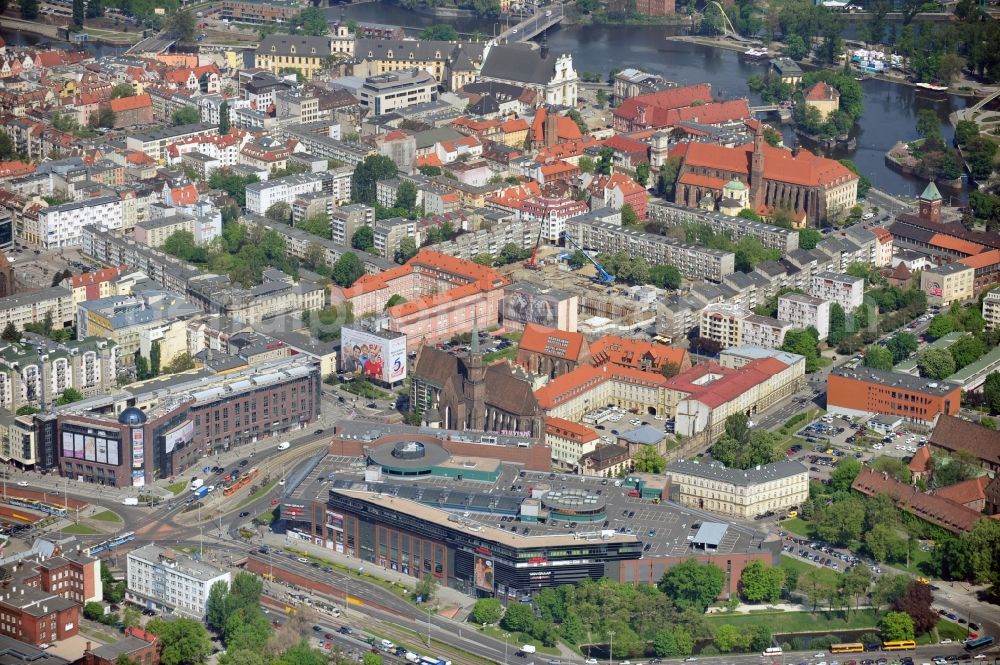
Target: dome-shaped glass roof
132	417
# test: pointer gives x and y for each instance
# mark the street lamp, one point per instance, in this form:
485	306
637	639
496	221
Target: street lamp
611	647
505	637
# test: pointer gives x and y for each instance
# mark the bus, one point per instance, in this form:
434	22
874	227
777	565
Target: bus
898	645
771	651
981	643
851	647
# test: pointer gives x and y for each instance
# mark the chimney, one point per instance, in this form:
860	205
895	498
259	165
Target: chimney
87	648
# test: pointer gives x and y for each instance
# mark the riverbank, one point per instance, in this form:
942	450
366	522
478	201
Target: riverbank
901	159
58	33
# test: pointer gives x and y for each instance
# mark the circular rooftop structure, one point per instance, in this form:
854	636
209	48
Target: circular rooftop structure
132	416
575	505
408	457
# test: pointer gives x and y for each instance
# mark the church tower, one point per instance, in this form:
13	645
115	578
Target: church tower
930	203
7	287
474	384
757	168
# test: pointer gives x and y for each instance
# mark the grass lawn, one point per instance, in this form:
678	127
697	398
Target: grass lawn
107	516
512	336
798	622
517	639
507	354
951	630
177	488
98	635
80	530
798	526
256	495
917	560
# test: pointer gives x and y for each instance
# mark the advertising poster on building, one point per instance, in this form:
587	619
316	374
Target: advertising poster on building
484	574
78	446
89	449
334	521
113	452
138	478
527	307
179	437
138	450
102	450
374	357
67	444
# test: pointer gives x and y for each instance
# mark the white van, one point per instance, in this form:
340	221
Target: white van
284	445
196	484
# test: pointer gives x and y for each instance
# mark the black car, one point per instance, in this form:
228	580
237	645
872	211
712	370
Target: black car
244	462
149	613
973	626
245	513
345	630
319	431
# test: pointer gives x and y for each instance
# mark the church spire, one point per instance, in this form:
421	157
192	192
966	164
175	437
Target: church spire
474	342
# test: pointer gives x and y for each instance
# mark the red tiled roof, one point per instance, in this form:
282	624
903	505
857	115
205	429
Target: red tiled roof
956	244
672	98
569	430
96	277
779	164
566	128
954	434
983	260
515	125
551	341
920	462
13	169
585	377
697	180
935	509
821	92
132	103
635	353
966	491
472	272
184	195
428	160
626	144
731	384
883	234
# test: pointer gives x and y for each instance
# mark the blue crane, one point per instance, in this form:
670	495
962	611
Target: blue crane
603	276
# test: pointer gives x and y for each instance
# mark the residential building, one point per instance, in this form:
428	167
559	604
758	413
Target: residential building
991	308
694	262
569	442
452	64
845	290
156	231
639	354
610	461
772	237
723	323
803	311
864	391
823	97
386	93
742	494
261	12
32	306
161	579
948	283
764	331
668	108
262	195
37	371
154	143
634	82
61	226
445	296
950	516
322	139
388	233
301	52
552	214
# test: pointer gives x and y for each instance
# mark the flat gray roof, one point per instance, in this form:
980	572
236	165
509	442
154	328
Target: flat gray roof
756	476
710	533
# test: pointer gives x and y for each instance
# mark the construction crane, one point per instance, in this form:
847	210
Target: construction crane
603	276
532	262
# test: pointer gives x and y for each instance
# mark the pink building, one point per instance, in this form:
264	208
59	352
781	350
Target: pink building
445	296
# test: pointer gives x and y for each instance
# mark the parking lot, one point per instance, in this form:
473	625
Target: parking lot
36	268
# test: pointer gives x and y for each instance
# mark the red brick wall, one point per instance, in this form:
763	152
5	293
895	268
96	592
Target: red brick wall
650	570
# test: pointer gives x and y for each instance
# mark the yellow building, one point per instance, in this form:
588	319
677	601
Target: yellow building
305	54
738	493
569	441
948	283
453	64
823	97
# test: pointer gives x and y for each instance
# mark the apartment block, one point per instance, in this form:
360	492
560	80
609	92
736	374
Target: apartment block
348	219
323	140
31	307
772	237
723	323
803	311
261	12
386	93
41	369
845	290
694	262
948	283
991	308
764	331
262	195
160	578
156	231
155	143
62	225
389	233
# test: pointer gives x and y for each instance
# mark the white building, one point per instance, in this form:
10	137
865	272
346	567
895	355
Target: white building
262	195
162	579
845	290
552	76
62	225
764	331
991	308
398	90
723	323
803	311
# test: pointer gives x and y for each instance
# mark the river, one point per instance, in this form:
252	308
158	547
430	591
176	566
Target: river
890	109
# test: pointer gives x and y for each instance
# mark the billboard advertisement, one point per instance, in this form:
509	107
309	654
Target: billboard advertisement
138	449
483	572
526	307
179	437
374	356
334	521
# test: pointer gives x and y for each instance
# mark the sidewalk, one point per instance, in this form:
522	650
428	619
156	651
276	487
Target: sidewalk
446	596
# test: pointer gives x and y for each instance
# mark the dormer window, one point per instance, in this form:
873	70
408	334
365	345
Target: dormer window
389	55
370	54
437	55
292	50
411	56
313	51
273	49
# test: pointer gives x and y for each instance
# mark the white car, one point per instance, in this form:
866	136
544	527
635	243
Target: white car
819	655
281	482
945	641
211	488
590	661
22	483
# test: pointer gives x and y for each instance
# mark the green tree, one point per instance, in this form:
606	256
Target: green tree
648	460
440	32
629	216
951	469
761	583
747	213
893	466
804	343
605	161
182	25
154	358
878	357
928	125
795	48
313	21
406	195
692	585
10	333
896	626
728	638
186	115
916	602
673	642
641	171
425	588
841	521
586	164
602	100
518	618
29	9
666	179
902	346
185	641
279	212
95	9
885	544
487	610
8	150
370	658
78	11
666	276
141	367
131	616
69	396
844	474
967	351
216	606
224	122
93	610
809	238
577	259
991	391
936	364
407	250
348	269
369	172
941	325
363	238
